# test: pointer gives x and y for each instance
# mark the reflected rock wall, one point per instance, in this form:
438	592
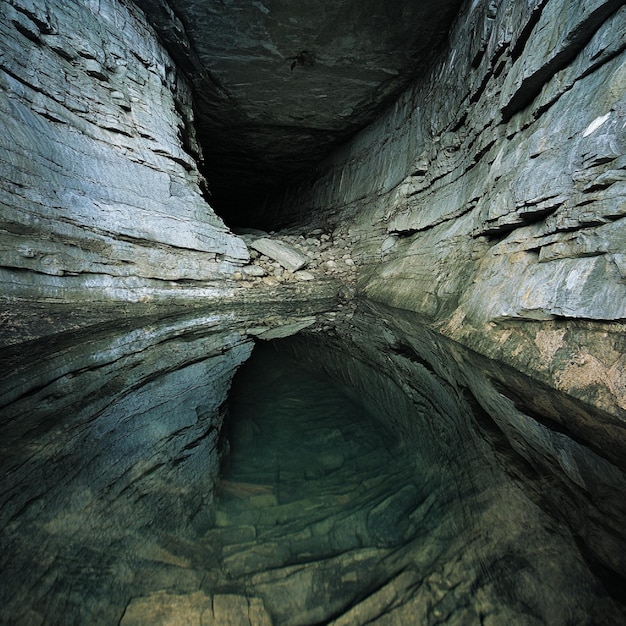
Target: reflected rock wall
111	444
109	447
454	401
488	200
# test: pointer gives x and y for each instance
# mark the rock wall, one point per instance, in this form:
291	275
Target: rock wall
100	194
490	201
490	197
110	443
452	404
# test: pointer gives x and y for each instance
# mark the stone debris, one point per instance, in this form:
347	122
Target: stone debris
282	257
302	275
99	96
253	270
280	252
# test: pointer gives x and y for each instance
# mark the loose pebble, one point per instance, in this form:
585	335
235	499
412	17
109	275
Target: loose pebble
328	253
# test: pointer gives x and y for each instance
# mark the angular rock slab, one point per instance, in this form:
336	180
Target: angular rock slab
166	609
280	252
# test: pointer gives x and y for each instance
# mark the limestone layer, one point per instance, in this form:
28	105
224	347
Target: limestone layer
490	201
490	197
99	189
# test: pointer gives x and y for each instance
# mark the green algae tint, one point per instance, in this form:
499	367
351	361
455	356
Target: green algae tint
324	515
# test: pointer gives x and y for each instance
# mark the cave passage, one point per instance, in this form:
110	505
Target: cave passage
318	497
330	514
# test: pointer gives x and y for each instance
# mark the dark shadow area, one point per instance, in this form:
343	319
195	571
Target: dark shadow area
300	443
278	86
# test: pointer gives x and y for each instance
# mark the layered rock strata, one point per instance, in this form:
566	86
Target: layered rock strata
492	192
99	188
327	516
278	85
105	438
490	199
480	466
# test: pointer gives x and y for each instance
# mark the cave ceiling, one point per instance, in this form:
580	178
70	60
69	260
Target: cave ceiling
279	83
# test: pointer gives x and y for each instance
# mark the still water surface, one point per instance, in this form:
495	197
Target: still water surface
328	514
359	483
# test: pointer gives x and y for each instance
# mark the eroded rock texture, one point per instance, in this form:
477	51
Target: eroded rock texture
111	443
105	439
279	84
100	192
469	441
490	199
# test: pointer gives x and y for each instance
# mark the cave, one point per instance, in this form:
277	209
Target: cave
312	313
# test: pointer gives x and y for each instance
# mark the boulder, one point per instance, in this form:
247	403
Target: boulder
280	252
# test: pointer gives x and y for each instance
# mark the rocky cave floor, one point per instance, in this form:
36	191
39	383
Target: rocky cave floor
308	258
316	255
324	517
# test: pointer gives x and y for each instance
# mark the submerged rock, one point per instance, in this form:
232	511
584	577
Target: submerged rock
168	609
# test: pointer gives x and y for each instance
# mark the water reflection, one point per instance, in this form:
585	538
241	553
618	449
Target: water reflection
368	477
433	530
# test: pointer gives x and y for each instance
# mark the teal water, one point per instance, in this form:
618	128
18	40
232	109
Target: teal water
326	516
303	454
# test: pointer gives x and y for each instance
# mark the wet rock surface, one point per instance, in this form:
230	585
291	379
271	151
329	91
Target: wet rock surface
379	348
325	515
110	454
490	198
112	440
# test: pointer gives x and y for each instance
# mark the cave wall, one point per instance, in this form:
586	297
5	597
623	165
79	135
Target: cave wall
110	443
489	198
100	194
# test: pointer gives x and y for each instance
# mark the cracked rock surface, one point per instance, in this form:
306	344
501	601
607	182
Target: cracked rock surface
100	194
279	84
490	199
